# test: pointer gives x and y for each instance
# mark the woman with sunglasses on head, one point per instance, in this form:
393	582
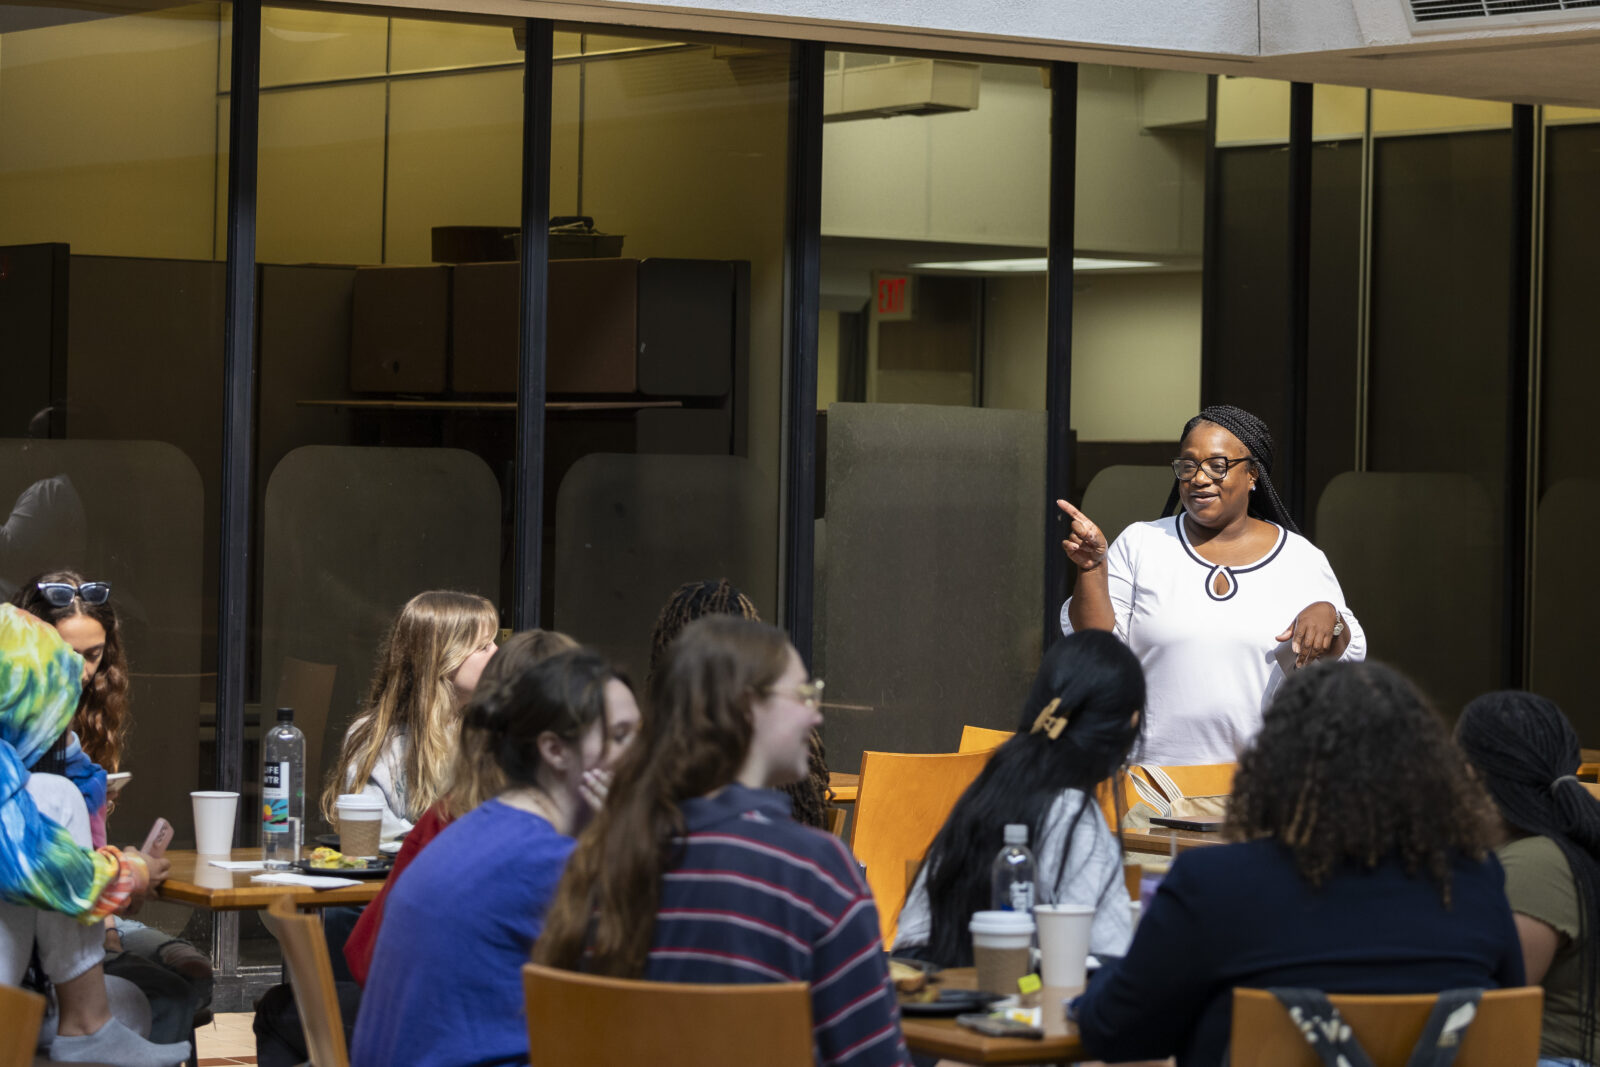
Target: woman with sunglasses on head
1078	725
1526	754
55	888
1220	602
173	975
695	872
400	748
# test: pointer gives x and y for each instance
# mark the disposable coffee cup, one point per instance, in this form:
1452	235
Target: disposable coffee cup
1002	943
1063	942
360	825
214	812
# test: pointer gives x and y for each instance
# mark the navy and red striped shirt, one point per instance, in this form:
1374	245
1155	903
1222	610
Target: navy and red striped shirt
756	897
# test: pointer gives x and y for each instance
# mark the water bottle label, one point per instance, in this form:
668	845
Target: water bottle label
275	798
1022	896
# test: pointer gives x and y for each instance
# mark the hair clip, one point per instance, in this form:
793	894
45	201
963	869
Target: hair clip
1049	722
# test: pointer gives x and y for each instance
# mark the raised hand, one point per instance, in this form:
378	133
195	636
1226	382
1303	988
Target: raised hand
1086	547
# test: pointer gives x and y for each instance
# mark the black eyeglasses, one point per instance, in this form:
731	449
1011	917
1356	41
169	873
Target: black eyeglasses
60	594
1216	468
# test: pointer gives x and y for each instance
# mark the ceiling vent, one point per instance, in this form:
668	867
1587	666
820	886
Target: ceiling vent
1455	14
900	87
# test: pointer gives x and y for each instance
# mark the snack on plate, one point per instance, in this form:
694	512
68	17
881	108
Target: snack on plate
333	860
906	978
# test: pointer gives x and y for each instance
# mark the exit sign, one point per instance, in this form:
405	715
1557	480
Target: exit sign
892	296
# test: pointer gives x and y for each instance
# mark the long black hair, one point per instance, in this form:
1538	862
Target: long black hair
1257	440
1526	753
1100	686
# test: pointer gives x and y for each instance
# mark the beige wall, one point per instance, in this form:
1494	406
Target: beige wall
108	134
1135	352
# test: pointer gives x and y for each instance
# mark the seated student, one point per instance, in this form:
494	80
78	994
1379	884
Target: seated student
54	890
1043	778
1526	754
399	750
476	778
1362	866
446	981
695	600
174	976
694	871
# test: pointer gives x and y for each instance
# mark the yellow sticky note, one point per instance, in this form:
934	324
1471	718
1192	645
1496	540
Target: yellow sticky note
1029	983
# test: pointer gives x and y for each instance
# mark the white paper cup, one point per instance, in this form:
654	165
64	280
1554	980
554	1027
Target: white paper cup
214	812
1002	949
1063	942
360	825
1136	911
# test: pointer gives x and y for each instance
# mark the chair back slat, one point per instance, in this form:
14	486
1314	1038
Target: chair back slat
1505	1032
615	1022
903	801
981	738
305	950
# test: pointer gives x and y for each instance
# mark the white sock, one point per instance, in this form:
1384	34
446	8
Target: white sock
115	1043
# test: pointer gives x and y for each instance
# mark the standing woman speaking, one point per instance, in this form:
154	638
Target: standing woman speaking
1220	602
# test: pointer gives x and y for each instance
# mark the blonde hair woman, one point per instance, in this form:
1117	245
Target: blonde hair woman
401	748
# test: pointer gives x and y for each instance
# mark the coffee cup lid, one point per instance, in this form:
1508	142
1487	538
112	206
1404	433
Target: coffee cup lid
358	802
1001	922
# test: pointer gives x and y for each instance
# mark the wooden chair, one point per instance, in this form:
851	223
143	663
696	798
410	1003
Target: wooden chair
903	801
617	1022
981	738
836	821
305	950
21	1012
1505	1032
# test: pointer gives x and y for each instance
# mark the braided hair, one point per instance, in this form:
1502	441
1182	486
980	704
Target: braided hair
1353	768
1257	440
1526	753
694	600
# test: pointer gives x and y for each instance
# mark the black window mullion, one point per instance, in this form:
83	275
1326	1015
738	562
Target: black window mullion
528	483
238	394
1299	317
802	259
1058	337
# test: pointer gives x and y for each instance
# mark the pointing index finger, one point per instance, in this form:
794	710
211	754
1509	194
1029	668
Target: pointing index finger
1071	511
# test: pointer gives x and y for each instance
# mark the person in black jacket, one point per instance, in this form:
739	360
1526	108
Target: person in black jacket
1361	864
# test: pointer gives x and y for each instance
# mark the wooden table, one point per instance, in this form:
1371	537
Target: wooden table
195	882
942	1037
1159	841
844	786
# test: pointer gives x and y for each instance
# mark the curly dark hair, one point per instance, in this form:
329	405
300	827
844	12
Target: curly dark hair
1353	766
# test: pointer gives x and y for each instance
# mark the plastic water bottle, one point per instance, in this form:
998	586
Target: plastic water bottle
283	791
1013	876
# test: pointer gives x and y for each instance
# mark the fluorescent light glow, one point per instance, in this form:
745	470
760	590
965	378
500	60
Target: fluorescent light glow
1036	265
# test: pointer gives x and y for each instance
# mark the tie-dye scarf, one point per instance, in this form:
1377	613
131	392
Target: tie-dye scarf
40	865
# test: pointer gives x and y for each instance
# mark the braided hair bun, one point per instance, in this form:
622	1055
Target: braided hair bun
1257	440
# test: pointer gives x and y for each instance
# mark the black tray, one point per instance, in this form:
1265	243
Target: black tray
950	1002
378	868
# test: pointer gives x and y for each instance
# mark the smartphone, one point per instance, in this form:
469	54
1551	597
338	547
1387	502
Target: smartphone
1208	823
157	840
999	1026
115	782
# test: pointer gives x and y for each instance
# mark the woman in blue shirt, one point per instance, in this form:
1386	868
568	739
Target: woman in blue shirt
445	987
1362	866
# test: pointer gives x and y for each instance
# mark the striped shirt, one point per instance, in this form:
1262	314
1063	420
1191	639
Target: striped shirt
755	897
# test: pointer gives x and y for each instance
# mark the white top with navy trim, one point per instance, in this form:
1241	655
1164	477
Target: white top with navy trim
1210	662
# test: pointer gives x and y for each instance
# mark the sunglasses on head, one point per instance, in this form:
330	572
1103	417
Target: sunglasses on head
60	594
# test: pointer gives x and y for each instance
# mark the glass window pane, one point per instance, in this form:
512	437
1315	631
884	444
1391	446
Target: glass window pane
666	330
935	212
111	321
